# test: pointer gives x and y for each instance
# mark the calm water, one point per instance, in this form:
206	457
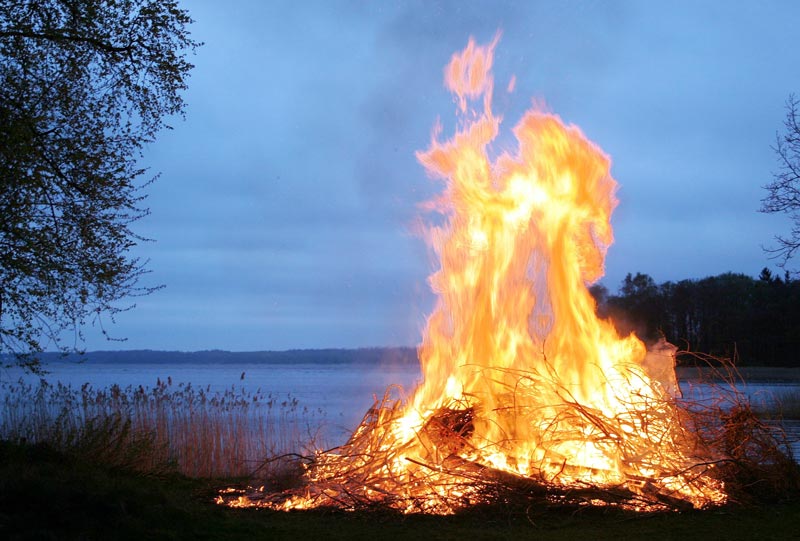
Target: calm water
344	392
762	396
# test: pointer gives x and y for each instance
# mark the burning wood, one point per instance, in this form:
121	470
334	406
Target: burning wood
364	473
526	393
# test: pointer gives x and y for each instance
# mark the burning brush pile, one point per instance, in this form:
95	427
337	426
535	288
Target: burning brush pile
526	394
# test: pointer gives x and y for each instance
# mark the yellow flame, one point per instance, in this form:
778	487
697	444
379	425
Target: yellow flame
519	374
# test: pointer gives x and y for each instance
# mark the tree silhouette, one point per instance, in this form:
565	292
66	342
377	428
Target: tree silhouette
84	85
783	193
638	307
731	315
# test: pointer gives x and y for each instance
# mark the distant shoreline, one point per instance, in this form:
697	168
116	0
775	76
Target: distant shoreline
372	356
388	356
753	374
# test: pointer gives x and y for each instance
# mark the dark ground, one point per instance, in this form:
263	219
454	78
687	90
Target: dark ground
45	494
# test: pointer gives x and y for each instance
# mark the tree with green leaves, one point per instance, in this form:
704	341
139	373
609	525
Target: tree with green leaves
85	85
783	193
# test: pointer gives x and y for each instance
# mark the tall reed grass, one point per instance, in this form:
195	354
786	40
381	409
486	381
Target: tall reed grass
194	430
780	403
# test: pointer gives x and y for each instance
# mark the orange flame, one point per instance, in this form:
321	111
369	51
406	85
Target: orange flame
521	378
514	333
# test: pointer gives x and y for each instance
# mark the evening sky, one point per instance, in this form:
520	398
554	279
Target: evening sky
284	214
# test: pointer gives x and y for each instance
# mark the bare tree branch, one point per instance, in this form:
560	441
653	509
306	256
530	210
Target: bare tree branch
783	193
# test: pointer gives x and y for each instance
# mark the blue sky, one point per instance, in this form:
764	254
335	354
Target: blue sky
283	217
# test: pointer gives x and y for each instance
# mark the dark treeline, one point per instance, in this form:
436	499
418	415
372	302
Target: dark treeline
752	321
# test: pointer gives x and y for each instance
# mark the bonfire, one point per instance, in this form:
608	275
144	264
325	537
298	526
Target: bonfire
526	393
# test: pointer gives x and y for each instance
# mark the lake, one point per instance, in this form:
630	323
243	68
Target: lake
343	392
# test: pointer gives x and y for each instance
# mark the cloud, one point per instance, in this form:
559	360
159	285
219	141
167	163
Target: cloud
283	211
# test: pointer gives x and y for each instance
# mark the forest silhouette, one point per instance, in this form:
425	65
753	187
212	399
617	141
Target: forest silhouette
744	320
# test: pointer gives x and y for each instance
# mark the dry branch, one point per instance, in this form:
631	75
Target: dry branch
440	470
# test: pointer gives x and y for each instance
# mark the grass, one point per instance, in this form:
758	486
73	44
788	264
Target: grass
779	404
147	464
192	431
47	494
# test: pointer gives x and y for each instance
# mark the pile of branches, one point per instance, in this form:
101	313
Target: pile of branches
357	476
758	465
733	448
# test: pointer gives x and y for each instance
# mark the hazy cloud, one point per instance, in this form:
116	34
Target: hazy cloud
283	213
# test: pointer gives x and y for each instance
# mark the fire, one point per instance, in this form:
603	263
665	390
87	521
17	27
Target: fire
524	388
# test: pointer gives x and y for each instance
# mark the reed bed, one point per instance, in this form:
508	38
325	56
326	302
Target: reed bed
194	430
781	404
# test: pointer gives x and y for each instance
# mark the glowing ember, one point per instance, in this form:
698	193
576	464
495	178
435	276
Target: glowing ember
525	390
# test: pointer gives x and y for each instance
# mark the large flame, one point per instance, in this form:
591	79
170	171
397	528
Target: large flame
522	381
515	333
